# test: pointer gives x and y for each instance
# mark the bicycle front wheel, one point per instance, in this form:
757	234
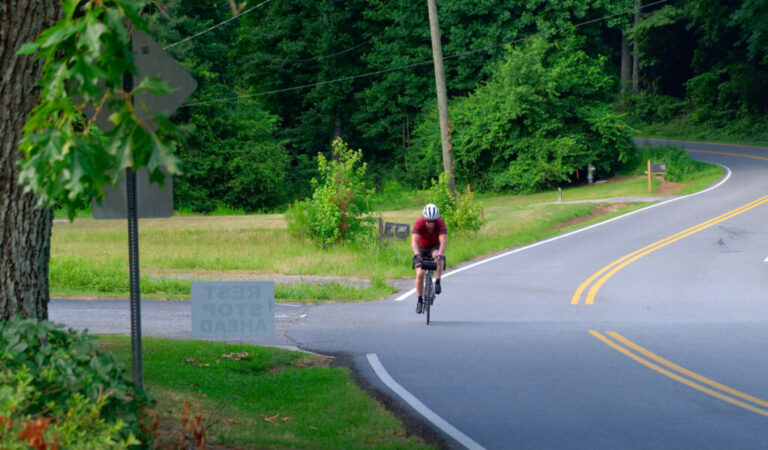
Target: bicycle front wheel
429	294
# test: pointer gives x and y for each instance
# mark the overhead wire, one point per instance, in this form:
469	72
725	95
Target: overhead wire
421	63
347	50
217	25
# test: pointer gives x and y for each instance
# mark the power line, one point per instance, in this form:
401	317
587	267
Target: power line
421	63
306	86
217	25
317	58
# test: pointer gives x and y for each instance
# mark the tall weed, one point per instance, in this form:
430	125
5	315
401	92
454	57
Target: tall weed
679	165
461	213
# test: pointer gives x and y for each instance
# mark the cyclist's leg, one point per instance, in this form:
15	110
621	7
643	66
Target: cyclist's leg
439	270
419	281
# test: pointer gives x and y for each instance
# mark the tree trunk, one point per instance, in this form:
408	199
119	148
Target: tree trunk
626	66
25	232
636	54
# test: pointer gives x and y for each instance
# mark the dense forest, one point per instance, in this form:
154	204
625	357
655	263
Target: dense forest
538	89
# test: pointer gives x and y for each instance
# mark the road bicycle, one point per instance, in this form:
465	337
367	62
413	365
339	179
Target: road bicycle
428	293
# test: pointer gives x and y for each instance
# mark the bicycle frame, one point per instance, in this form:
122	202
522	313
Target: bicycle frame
428	294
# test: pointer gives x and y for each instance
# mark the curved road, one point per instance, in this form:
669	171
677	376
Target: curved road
647	331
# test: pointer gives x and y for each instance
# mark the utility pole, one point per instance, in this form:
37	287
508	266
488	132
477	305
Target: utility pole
442	95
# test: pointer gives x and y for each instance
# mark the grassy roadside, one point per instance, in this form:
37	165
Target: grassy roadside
89	258
683	129
272	398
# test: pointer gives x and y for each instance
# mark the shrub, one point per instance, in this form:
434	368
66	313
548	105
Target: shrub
340	199
648	108
65	367
461	213
76	424
679	165
297	220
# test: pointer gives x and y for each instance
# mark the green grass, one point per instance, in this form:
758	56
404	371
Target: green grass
73	277
743	133
89	258
315	406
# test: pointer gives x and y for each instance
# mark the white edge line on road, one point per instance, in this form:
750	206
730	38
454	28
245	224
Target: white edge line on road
421	408
766	260
562	236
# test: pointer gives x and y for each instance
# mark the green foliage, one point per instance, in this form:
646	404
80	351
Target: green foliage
232	153
648	108
340	199
680	167
297	220
232	157
461	213
734	92
394	195
716	68
67	375
75	424
752	18
544	114
391	105
85	55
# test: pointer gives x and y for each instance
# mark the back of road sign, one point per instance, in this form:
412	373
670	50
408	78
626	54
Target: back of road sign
151	60
152	201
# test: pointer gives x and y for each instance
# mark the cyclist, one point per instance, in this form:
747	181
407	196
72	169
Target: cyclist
429	238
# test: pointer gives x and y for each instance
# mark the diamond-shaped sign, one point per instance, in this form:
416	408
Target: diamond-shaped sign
151	61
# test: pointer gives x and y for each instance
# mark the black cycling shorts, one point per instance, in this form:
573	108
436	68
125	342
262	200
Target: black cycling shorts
428	251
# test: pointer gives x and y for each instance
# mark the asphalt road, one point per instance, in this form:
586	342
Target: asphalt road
647	331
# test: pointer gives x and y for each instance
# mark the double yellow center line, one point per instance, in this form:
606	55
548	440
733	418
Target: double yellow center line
681	374
610	270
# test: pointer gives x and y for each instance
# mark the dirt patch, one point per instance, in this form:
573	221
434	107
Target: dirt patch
599	210
668	187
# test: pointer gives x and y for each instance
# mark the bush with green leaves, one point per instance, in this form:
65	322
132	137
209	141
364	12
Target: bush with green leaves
679	164
232	157
336	211
461	213
63	365
545	113
646	108
75	424
297	220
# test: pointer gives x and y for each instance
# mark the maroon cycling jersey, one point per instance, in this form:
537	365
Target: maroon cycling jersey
427	239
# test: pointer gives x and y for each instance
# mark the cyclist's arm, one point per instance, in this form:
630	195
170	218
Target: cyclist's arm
443	243
415	244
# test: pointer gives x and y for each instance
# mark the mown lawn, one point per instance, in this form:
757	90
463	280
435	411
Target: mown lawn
261	397
90	258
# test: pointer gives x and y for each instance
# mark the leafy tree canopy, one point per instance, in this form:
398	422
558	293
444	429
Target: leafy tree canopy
85	56
544	114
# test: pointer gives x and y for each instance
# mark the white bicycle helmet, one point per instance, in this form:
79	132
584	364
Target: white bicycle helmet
430	212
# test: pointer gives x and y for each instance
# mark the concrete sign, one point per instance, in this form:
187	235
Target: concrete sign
233	309
397	230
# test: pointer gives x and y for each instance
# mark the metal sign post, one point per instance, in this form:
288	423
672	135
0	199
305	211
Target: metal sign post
144	201
133	262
